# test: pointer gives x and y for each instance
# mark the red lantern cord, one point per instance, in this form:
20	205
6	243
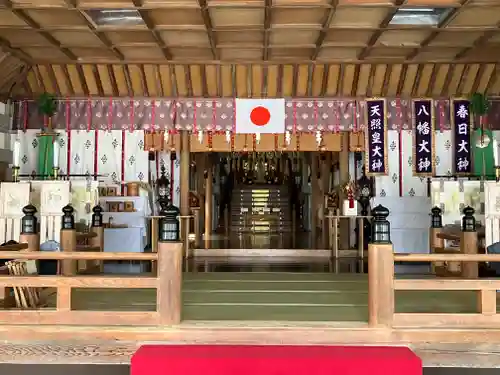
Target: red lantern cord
210	141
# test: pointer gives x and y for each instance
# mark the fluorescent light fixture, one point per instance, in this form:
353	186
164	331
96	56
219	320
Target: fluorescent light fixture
115	17
420	16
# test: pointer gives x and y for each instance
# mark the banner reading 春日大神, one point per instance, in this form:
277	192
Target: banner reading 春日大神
423	138
461	127
376	138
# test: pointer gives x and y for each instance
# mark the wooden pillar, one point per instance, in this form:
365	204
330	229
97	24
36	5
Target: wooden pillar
325	185
314	195
208	201
169	289
184	193
380	284
344	179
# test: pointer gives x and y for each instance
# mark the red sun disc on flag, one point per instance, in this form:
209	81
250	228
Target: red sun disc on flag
260	116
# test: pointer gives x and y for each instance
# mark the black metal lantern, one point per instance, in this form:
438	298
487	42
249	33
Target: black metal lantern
162	185
436	218
169	224
468	221
29	222
381	228
68	219
97	216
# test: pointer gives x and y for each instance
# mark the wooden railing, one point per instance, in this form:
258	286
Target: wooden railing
382	287
167	284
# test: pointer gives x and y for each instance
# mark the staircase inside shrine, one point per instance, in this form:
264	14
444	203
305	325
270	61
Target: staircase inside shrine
261	209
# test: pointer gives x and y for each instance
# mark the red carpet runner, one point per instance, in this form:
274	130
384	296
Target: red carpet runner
274	360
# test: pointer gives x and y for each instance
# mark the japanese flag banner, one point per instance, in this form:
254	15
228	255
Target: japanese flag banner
260	116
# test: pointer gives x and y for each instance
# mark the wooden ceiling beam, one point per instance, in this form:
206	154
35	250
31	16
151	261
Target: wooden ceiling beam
445	22
34	25
267	28
324	28
20	54
480	42
148	21
73	4
209	27
382	27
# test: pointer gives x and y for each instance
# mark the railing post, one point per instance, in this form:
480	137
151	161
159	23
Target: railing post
434	241
468	243
97	228
68	240
380	271
169	272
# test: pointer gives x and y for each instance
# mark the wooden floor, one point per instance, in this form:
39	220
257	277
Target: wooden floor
273	296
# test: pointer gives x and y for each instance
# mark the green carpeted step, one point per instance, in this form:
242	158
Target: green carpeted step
283	313
236	285
297	298
275	276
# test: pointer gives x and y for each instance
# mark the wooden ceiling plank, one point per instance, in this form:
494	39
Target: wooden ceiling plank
416	81
189	81
355	80
267	28
469	79
218	88
370	81
144	80
301	74
26	86
249	83
112	78
445	22
432	80
484	78
272	81
105	80
383	25
387	77
439	80
204	83
53	79
97	78
477	79
67	79
447	81
151	80
39	78
409	79
196	77
128	80
158	80
152	29
73	4
279	80
33	81
90	79
461	81
209	28
180	80
452	89
317	79
76	81
12	75
402	77
492	81
324	28
324	81
83	80
165	82
34	25
340	80
173	80
295	80
257	80
265	81
310	79
480	42
424	79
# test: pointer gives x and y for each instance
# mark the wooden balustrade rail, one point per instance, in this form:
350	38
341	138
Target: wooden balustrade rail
167	283
382	287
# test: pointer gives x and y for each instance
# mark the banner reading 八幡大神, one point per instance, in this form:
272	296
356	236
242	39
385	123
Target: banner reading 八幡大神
461	126
376	138
423	138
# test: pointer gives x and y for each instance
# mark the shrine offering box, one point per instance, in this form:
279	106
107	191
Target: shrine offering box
114	206
128	206
133	189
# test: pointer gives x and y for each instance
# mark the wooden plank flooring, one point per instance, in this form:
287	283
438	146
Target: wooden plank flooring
274	296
